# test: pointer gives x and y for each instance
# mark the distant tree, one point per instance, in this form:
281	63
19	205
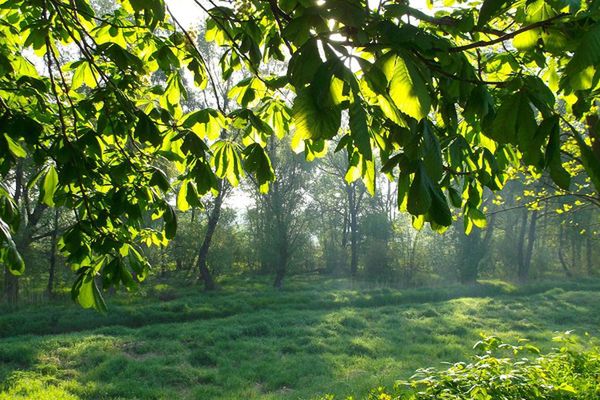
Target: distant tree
284	209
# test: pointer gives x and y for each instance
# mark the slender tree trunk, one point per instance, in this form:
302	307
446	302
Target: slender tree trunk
351	192
281	235
283	252
11	287
561	256
521	254
589	255
213	219
52	268
524	272
412	263
281	266
11	282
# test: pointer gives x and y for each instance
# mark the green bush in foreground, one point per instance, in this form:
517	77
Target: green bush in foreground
501	371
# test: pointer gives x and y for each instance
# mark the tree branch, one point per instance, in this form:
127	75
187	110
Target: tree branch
505	37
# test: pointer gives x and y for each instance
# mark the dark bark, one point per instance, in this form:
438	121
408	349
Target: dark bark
52	268
213	219
11	282
11	287
521	257
561	256
473	249
282	259
526	264
353	211
280	234
589	255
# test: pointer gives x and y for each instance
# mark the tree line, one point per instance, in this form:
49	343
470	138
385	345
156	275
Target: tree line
312	221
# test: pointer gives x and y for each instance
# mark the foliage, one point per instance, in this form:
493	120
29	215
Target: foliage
504	371
444	103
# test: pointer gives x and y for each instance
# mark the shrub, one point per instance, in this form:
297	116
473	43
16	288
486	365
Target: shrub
500	371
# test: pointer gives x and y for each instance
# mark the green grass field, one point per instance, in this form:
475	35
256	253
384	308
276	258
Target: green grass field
248	341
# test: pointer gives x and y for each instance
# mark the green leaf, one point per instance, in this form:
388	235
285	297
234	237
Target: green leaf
407	87
146	130
403	188
49	186
170	219
299	30
439	212
419	196
348	12
160	179
476	217
527	40
192	195
182	202
198	68
304	64
432	153
368	175
248	91
313	122
86	292
154	11
15	148
515	121
590	162
489	9
206	123
12	257
558	173
174	90
359	130
454	196
205	178
536	11
124	59
83	75
257	162
138	263
227	162
577	74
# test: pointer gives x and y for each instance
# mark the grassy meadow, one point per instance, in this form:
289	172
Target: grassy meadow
316	337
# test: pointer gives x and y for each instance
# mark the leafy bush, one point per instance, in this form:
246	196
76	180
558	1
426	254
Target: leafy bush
501	371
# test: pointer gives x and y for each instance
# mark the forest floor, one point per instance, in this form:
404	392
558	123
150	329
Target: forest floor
248	341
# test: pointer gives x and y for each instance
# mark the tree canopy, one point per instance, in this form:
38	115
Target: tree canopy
445	103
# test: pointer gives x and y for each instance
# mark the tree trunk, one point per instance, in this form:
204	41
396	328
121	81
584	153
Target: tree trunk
524	271
521	253
283	255
351	192
280	237
589	255
561	256
11	282
52	269
11	287
213	219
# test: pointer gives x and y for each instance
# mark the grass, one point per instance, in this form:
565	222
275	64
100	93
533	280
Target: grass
248	341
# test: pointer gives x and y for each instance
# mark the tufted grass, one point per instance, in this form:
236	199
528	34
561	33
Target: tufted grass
248	341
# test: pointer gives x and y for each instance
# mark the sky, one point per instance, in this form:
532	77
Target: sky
187	12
